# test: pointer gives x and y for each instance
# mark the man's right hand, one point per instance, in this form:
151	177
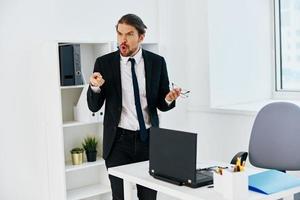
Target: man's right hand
96	80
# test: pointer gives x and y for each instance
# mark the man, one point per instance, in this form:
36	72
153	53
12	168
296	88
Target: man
134	83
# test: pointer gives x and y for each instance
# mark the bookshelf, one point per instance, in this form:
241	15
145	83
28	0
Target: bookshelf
90	179
77	123
70	167
87	191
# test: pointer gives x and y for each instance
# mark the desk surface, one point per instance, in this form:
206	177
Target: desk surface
137	173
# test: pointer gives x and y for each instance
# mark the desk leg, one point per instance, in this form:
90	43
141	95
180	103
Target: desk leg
127	190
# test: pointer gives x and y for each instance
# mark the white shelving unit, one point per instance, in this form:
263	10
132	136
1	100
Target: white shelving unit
72	86
87	191
70	167
77	123
89	180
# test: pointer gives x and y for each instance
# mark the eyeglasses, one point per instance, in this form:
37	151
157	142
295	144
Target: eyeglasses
184	93
211	168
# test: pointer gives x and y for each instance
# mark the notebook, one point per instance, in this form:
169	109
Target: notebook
272	181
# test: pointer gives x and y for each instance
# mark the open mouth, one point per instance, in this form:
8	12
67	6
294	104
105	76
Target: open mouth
123	47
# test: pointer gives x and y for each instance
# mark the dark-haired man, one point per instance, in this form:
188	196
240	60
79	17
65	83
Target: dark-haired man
133	83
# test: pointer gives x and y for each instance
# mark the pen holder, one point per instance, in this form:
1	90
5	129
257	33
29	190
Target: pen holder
232	185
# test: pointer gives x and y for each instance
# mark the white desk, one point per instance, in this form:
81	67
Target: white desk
137	173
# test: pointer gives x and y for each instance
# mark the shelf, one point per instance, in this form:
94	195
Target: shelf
76	123
87	191
98	162
71	87
88	180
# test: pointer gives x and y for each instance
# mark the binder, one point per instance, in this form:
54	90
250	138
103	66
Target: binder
77	64
70	64
272	181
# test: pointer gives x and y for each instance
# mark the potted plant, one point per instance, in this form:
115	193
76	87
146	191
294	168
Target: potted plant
77	155
90	147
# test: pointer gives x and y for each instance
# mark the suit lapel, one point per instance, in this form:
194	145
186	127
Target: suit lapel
117	73
148	71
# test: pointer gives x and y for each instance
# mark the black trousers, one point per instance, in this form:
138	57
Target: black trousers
128	148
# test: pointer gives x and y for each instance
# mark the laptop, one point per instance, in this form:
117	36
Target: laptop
173	156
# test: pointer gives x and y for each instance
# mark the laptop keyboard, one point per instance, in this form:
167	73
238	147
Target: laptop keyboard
202	175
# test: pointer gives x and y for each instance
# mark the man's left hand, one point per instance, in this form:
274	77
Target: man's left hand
173	94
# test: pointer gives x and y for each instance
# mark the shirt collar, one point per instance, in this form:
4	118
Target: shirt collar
137	57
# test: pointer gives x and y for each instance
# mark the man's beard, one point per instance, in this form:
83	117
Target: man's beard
128	52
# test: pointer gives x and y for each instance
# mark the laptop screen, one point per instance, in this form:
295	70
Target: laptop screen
173	154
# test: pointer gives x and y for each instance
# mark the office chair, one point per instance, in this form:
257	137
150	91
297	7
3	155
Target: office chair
275	137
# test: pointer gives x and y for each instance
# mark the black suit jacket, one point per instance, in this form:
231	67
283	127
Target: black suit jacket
157	87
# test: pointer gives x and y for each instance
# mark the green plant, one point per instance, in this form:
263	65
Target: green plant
90	144
77	150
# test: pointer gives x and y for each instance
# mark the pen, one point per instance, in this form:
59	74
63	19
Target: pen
239	166
220	171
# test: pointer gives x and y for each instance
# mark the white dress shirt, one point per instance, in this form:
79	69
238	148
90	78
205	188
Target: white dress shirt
129	118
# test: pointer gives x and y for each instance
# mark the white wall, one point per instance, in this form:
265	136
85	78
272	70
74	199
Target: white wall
173	46
198	53
240	51
30	98
30	108
230	61
23	156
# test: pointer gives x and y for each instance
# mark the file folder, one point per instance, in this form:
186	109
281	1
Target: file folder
70	64
272	181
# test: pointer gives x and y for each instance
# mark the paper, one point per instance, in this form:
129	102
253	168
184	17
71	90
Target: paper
82	112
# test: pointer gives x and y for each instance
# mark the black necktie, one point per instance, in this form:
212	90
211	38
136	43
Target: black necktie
138	107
